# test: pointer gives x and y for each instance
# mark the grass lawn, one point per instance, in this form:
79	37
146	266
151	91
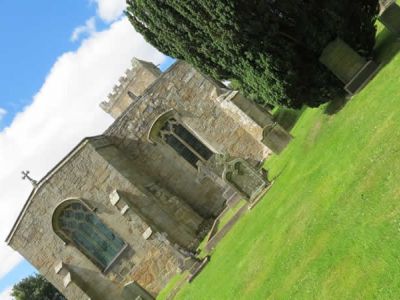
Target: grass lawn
172	284
329	228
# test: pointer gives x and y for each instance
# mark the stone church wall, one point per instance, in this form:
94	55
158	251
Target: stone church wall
196	99
87	175
159	205
199	98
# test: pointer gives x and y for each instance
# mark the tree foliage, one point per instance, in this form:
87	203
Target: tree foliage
270	48
36	287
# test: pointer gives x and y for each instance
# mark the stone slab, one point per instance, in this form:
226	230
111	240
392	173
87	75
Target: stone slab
390	18
199	269
147	234
276	138
342	60
362	77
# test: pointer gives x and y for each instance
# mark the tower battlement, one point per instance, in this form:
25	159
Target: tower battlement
131	85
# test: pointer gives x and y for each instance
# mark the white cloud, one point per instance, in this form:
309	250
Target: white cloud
65	110
3	112
6	294
110	10
88	29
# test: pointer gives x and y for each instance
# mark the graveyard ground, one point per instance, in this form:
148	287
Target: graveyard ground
329	228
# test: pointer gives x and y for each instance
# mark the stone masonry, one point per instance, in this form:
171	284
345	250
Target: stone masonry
143	188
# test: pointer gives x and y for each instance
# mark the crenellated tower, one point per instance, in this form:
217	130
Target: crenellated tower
132	85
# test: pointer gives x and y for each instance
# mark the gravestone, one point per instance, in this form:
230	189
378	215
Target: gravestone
275	137
390	17
347	65
244	178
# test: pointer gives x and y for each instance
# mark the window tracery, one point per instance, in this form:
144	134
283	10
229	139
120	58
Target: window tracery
78	225
184	142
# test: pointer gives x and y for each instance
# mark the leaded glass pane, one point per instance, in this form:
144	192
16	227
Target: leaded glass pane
184	142
181	149
189	138
89	234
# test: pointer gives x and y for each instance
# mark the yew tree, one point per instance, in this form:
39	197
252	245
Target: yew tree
269	48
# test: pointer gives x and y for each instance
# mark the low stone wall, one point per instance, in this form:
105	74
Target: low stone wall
220	234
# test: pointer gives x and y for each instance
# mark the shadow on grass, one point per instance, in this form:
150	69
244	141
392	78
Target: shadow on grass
287	117
335	105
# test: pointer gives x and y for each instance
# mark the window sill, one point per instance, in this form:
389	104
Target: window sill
115	259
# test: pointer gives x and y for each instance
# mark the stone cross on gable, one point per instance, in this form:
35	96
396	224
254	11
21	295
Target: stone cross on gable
26	176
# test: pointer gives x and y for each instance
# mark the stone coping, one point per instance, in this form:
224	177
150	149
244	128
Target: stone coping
259	197
213	229
199	269
360	80
224	230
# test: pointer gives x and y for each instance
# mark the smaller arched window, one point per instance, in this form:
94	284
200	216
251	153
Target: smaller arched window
76	224
171	131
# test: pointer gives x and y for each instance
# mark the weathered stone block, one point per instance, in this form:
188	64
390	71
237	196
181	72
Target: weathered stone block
67	279
276	138
147	234
60	268
114	197
124	209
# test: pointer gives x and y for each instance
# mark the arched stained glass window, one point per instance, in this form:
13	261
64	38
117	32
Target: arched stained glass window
78	225
184	142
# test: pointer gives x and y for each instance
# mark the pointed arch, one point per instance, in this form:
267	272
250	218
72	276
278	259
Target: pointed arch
169	129
77	224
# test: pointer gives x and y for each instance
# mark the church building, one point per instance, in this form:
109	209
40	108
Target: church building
125	211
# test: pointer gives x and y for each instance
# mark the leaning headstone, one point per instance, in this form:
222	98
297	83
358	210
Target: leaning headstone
275	137
390	17
347	65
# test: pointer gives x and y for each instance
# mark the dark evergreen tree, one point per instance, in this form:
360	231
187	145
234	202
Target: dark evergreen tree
269	48
36	287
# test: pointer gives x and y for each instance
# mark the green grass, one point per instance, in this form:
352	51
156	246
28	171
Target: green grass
329	228
163	295
286	117
201	248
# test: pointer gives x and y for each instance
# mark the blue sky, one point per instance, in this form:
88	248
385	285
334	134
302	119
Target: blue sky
58	61
33	35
